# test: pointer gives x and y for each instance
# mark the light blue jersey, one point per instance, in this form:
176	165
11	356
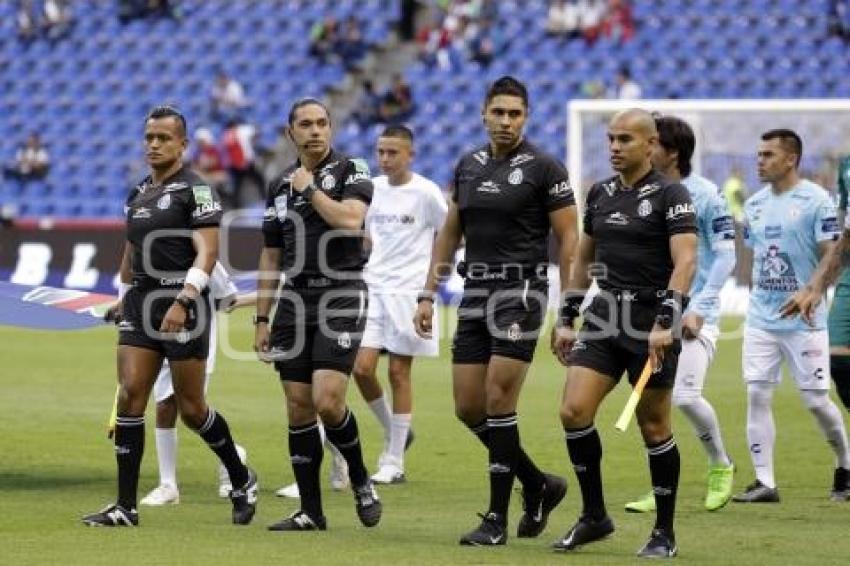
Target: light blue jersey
716	233
784	232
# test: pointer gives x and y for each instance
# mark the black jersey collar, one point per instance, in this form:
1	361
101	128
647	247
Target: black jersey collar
522	145
147	183
652	175
332	154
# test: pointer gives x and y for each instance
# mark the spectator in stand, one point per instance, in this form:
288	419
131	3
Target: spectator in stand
839	18
368	111
133	9
564	19
593	13
626	87
619	24
228	98
208	161
57	18
351	47
323	39
31	161
238	144
398	102
26	20
487	44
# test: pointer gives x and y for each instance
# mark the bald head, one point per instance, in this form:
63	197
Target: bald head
631	139
637	120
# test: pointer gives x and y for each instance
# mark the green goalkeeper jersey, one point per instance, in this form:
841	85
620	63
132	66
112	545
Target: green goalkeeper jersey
843	189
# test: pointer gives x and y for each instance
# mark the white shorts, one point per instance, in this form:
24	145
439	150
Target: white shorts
806	351
164	388
694	359
389	325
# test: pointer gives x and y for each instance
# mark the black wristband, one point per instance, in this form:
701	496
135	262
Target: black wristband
426	296
308	192
260	319
570	310
184	302
670	309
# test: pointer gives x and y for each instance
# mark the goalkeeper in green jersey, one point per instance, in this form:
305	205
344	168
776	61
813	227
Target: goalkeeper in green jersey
839	314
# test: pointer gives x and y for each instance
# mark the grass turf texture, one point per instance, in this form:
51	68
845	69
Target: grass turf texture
57	465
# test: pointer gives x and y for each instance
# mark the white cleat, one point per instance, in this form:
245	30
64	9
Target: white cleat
224	486
290	491
162	495
339	471
388	474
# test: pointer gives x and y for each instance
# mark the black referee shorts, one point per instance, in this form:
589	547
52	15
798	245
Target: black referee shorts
622	345
317	329
499	318
144	310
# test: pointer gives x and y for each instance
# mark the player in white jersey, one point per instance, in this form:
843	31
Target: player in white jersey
223	292
716	257
406	213
789	224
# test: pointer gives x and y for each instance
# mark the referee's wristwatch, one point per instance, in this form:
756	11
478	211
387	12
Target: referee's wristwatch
186	302
260	319
308	192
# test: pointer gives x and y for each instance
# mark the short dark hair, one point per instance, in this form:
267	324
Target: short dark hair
168	111
789	139
300	103
398	131
674	134
508	86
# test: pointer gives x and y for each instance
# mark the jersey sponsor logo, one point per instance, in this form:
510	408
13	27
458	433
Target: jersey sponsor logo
141	212
773	232
392	219
829	224
515	178
559	189
649	189
357	177
328	182
164	202
776	272
617	219
489	187
723	224
171	187
280	207
802	198
521	158
207	209
644	208
679	210
481	157
814	353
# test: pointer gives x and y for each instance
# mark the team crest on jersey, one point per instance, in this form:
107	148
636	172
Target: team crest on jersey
328	182
515	178
344	340
644	208
164	202
514	332
280	207
794	213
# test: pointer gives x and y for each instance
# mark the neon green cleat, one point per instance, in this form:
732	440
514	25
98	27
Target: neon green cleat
645	504
719	486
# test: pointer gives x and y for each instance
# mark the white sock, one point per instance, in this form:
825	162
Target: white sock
761	432
704	420
166	455
398	436
383	413
831	424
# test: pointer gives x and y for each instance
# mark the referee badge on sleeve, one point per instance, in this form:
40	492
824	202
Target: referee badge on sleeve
280	207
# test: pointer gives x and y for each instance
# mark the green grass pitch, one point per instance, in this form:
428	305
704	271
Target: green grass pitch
57	465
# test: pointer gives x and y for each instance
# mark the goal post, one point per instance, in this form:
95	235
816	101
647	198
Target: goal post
727	134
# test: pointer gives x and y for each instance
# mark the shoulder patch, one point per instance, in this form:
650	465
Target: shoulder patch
202	194
361	166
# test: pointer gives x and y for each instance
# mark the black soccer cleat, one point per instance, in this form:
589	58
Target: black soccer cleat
112	516
300	521
661	544
367	504
757	492
840	485
244	500
493	531
585	531
537	506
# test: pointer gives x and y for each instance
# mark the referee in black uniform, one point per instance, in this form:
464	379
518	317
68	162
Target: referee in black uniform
506	197
172	246
312	231
640	236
